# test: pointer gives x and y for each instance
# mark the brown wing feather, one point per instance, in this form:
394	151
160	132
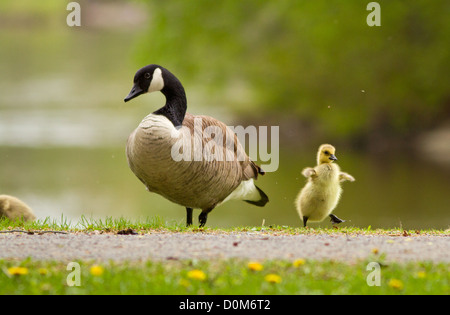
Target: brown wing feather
229	143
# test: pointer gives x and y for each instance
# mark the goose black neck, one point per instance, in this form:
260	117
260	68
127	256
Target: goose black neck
176	103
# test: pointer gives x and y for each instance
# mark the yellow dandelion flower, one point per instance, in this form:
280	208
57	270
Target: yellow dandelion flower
196	275
97	270
298	262
396	284
18	271
272	278
43	271
375	250
421	274
255	266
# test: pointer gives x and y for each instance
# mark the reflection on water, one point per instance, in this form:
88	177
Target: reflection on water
97	183
62	127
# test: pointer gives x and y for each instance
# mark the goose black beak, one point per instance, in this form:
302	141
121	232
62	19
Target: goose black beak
135	92
333	157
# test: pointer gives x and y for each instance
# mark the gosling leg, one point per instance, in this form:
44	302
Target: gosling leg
189	216
305	219
335	219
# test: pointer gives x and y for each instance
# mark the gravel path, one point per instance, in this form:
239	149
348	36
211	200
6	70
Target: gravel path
255	246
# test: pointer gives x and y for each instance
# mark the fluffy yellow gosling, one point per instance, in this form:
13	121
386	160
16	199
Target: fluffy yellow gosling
321	193
13	208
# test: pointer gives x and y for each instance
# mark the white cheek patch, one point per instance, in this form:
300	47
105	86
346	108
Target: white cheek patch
157	83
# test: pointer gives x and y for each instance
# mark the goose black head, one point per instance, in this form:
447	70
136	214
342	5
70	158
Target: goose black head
147	79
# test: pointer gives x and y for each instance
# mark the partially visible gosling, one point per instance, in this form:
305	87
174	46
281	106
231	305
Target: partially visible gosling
321	193
13	209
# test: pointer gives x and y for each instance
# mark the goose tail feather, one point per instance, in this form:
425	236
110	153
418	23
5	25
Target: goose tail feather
262	202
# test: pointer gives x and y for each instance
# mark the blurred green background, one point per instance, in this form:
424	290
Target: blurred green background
313	68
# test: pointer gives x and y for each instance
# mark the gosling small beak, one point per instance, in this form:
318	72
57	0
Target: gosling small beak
135	92
333	157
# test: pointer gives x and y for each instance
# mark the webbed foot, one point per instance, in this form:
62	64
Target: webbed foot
335	219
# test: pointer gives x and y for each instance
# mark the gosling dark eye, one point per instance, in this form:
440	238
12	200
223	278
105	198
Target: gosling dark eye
327	153
147	75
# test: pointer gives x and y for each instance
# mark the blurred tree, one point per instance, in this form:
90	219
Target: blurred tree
317	60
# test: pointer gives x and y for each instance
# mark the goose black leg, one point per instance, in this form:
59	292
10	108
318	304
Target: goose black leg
335	219
188	216
305	219
203	217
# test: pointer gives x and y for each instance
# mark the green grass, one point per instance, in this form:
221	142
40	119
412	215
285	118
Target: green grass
89	224
223	277
231	276
158	224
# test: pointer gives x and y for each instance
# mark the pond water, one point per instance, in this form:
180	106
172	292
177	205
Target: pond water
96	182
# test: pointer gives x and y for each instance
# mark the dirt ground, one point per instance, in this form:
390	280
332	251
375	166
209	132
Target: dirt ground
244	245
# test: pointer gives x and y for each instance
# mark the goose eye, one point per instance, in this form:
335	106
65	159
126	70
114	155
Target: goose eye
326	152
147	75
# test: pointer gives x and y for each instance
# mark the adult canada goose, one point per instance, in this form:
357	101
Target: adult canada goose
192	177
321	194
13	208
